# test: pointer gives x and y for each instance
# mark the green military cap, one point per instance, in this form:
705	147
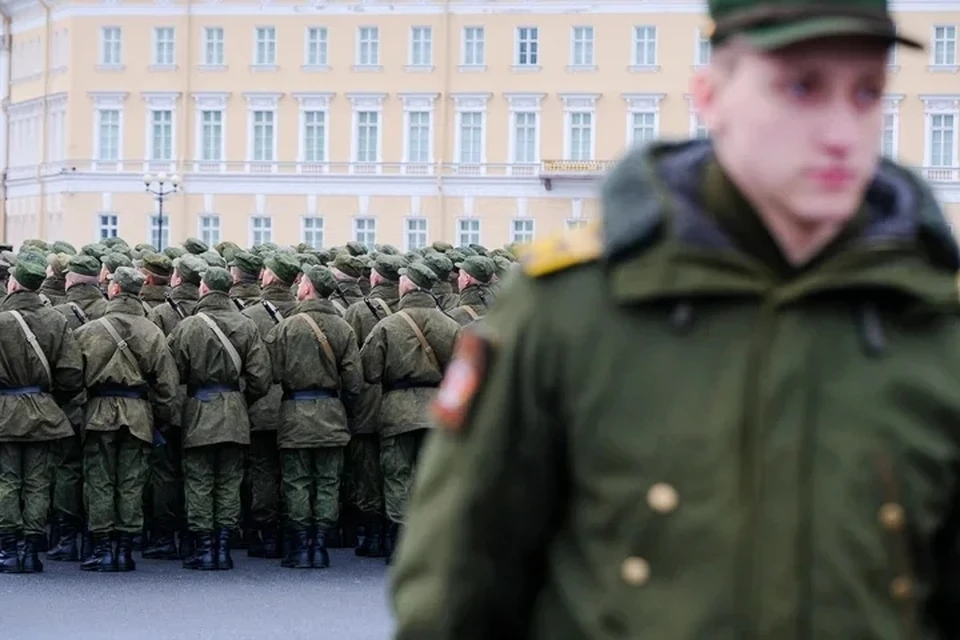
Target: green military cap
145	247
322	279
158	264
269	247
356	248
58	262
30	273
247	262
442	247
114	242
214	259
439	263
323	255
348	264
367	263
479	248
33	254
190	268
456	256
196	246
174	252
284	266
61	246
33	243
303	247
467	251
502	265
480	267
227	250
774	24
420	274
218	279
129	279
83	265
113	260
95	249
388	249
308	259
413	256
389	266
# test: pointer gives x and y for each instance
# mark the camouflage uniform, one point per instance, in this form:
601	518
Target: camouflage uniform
158	268
442	266
476	297
246	268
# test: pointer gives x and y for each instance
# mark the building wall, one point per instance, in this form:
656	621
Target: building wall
73	81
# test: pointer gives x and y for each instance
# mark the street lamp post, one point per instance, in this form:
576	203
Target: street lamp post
165	186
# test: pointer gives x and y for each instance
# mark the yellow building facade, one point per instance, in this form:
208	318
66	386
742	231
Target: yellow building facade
400	121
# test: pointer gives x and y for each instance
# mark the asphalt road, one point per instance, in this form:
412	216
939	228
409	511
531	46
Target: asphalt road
162	601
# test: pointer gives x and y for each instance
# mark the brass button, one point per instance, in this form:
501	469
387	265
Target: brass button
892	516
663	498
635	571
901	588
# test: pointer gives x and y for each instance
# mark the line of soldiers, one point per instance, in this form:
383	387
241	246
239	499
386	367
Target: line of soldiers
192	400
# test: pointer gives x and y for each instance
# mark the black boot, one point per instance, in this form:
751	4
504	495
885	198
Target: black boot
334	538
137	541
372	545
102	559
204	556
87	547
254	543
31	550
224	561
393	534
271	542
188	544
66	549
9	556
162	546
298	551
318	553
125	552
53	533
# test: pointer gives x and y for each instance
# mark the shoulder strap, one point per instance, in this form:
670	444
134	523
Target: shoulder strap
32	339
77	311
431	356
45	300
473	314
225	341
322	339
383	305
121	343
338	307
562	252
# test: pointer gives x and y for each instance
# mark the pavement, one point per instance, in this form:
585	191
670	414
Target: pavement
258	600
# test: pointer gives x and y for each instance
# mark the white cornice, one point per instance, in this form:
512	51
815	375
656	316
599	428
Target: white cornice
108	99
262	100
161	99
366	100
524	101
941	102
418	101
211	100
643	101
891	101
471	101
580	101
314	101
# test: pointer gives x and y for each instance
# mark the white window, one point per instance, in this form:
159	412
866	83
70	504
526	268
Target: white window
421	46
704	50
580	135
416	235
528	47
314	137
418	136
368	136
888	139
581	48
643	127
313	231
644	46
522	230
473	49
942	139
210	229
368	46
108	134
316	55
468	231
108	226
526	141
265	50
261	229
365	231
264	136
471	137
211	136
160	231
213	46
161	135
111	46
944	46
164	53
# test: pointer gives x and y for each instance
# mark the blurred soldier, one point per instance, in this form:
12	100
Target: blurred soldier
222	359
245	268
157	268
476	274
131	377
347	269
263	459
183	294
54	285
443	290
109	263
41	371
406	354
316	360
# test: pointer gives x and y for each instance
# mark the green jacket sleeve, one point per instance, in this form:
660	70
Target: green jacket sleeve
500	477
257	370
165	381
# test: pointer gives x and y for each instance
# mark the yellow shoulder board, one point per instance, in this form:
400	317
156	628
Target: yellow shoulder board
560	252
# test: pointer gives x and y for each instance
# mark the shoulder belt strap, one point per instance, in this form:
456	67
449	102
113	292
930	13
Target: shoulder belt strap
431	356
32	339
77	311
562	252
469	310
338	307
225	341
45	300
121	343
322	339
383	305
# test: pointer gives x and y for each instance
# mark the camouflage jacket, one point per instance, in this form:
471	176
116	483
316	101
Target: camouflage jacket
445	295
54	288
364	315
246	292
127	387
88	299
185	296
154	295
265	413
475	298
215	410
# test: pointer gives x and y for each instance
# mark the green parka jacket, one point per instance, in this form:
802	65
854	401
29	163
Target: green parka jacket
265	413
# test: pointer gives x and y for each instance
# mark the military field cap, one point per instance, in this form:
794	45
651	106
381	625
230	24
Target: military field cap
303	247
502	265
420	274
247	262
59	262
34	255
348	264
30	273
114	242
284	266
113	260
145	247
190	268
439	263
227	249
480	267
467	251
389	266
307	260
33	243
83	265
63	247
129	279
356	248
323	255
442	247
174	252
218	279
367	263
158	263
322	279
456	256
479	248
196	246
96	250
214	259
388	249
413	256
774	24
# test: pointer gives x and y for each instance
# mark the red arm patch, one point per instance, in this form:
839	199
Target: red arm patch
461	381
